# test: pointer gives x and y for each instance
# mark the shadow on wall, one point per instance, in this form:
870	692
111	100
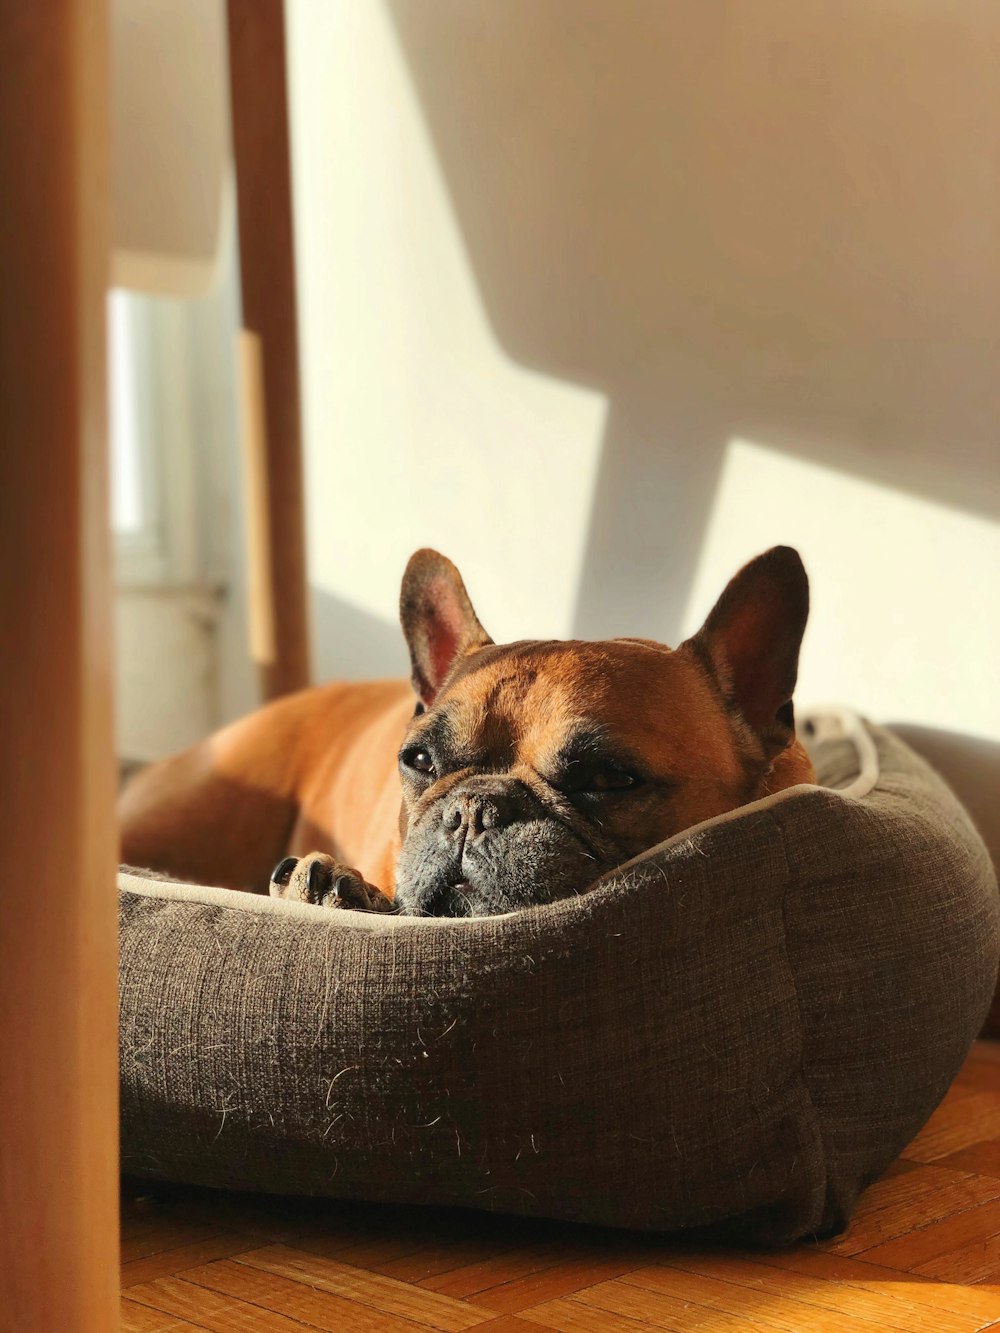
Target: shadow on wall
971	767
352	644
773	221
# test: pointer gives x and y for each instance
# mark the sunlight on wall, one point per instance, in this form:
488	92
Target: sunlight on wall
419	430
905	620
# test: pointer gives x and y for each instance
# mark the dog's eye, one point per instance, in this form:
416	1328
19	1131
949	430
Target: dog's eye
591	776
610	779
419	760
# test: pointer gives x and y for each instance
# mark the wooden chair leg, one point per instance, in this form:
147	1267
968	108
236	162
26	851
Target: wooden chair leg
58	965
259	99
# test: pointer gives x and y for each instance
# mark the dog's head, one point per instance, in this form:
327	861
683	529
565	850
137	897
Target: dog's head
530	769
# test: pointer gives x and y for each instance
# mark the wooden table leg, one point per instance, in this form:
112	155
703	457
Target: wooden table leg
58	1011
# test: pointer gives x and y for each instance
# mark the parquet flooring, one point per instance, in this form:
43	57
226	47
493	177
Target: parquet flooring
921	1256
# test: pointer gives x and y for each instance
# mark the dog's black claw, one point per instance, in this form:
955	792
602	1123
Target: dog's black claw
352	891
315	876
282	872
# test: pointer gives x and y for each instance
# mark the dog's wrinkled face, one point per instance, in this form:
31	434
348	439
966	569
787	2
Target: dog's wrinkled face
531	769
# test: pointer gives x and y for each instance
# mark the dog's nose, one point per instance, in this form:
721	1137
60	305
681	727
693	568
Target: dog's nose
472	813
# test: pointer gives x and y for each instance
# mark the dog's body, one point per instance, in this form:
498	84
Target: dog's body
314	771
527	770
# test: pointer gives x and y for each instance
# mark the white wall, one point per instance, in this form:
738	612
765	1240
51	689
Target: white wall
419	429
601	299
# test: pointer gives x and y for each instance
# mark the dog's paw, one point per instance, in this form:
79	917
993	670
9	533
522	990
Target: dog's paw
321	880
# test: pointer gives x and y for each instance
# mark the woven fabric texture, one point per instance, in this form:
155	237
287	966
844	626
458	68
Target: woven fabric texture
738	1032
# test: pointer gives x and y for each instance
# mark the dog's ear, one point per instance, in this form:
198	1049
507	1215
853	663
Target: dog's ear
751	641
438	621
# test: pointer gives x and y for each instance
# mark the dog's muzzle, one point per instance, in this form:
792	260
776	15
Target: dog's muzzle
458	860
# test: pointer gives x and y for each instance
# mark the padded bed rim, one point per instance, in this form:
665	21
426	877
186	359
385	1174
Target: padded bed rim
829	722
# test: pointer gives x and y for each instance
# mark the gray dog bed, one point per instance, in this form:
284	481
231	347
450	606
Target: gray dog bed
739	1031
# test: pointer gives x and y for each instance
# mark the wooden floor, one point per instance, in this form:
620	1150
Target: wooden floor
922	1256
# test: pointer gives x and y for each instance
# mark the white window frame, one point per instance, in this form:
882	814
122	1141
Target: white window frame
170	446
180	563
139	548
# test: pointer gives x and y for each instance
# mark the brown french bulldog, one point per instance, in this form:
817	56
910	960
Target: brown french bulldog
528	770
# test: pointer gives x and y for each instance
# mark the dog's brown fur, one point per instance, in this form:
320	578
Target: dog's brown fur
315	771
708	725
